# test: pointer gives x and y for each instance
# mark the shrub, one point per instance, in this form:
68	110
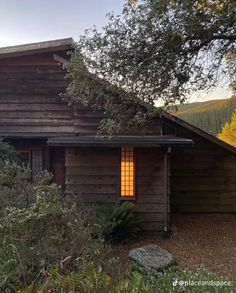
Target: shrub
15	187
49	232
94	279
119	222
8	153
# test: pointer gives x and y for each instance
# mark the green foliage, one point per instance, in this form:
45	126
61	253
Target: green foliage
95	280
15	190
118	222
49	244
210	115
49	231
8	153
160	51
121	112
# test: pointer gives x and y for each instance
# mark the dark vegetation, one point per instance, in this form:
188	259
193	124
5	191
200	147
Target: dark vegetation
51	244
210	115
158	51
118	222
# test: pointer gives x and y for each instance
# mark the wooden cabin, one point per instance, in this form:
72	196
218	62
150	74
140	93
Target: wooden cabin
173	168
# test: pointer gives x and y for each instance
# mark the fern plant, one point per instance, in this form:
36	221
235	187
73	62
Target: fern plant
118	222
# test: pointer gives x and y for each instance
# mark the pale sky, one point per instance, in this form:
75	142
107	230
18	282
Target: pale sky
27	21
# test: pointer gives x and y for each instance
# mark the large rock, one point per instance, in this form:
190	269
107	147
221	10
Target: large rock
152	256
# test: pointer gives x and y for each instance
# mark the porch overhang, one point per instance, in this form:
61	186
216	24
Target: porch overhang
137	141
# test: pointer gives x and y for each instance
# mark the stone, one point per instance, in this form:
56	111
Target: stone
153	257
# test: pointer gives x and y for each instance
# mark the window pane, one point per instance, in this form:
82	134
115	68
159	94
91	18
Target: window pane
127	171
36	161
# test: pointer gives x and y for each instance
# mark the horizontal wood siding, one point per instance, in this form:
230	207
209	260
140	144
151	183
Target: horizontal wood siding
94	175
29	97
150	202
203	178
30	101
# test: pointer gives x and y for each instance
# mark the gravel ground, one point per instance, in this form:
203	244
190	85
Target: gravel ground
207	240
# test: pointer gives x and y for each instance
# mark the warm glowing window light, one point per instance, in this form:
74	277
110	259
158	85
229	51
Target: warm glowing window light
127	171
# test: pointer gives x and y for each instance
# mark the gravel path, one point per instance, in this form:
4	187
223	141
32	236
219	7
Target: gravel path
207	240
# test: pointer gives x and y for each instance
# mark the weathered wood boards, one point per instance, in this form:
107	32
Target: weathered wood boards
203	179
30	100
94	175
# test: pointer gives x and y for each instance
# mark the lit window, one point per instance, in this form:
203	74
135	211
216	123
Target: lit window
127	171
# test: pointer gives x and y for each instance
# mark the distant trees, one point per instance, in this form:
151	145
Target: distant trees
209	116
228	133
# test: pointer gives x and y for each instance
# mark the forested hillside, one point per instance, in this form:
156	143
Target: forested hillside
210	115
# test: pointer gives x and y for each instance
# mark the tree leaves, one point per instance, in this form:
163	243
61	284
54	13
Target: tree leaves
157	54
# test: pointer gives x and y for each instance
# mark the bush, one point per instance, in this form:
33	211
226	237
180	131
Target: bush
49	232
95	279
118	222
15	187
48	244
8	153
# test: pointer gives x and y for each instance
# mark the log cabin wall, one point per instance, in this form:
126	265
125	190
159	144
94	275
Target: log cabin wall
93	174
203	178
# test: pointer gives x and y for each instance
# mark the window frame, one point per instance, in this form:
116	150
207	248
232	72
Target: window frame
31	160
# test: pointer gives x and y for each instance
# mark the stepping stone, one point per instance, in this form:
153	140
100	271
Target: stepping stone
153	257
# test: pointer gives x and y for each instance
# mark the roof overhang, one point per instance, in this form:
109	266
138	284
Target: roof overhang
37	48
138	141
199	132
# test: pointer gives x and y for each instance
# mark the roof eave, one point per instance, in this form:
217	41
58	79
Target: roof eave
37	48
94	141
199	131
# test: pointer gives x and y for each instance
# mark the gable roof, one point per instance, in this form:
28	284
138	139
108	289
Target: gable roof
67	44
37	48
199	131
